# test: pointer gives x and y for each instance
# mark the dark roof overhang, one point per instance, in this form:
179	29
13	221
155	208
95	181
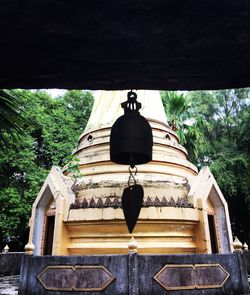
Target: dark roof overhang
123	44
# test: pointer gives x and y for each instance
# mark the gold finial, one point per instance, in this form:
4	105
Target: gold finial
6	249
132	245
29	248
237	245
245	247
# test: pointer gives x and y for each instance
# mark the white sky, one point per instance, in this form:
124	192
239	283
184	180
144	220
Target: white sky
55	92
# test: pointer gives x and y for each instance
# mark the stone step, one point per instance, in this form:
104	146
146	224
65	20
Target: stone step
9	285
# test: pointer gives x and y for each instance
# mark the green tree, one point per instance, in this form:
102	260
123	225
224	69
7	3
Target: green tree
50	132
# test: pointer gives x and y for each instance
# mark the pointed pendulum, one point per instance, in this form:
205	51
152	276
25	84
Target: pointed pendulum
132	199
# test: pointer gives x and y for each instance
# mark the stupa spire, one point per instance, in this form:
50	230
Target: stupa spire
107	107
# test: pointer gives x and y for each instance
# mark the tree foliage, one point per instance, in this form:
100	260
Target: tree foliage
51	128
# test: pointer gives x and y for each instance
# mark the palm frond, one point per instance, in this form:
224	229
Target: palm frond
11	119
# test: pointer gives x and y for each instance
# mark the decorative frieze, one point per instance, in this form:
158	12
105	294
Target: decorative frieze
115	202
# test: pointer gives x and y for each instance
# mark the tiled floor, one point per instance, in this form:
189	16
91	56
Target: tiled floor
9	285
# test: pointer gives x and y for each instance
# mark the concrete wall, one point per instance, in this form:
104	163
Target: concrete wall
10	263
130	274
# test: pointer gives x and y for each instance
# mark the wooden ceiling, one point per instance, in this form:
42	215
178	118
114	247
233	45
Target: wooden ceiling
123	44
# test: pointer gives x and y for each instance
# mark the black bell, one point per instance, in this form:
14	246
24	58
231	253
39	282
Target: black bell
131	138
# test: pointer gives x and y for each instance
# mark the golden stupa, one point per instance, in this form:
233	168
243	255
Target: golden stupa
183	211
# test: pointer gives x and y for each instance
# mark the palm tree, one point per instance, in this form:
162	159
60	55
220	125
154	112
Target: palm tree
176	106
178	110
11	119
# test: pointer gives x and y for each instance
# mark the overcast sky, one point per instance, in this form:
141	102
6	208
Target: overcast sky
55	92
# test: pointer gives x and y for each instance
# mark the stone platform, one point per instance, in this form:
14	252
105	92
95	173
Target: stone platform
133	274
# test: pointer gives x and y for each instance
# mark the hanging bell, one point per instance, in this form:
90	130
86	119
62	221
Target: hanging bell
131	138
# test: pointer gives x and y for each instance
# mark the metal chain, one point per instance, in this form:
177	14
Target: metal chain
131	176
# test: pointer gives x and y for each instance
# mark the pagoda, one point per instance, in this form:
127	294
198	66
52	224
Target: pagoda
184	211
